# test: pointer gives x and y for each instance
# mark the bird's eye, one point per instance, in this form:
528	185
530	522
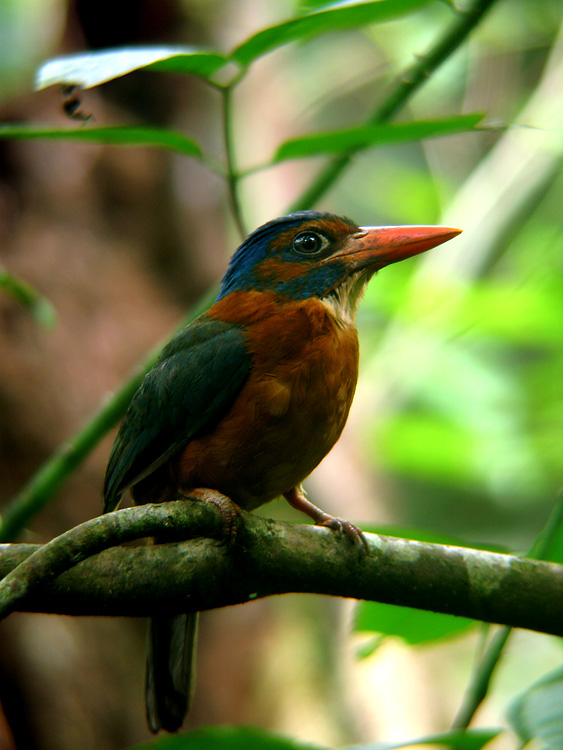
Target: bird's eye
309	243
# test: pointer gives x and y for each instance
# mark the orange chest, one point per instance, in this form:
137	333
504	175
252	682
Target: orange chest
306	373
304	363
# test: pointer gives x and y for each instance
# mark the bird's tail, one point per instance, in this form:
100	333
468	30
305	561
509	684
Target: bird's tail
170	669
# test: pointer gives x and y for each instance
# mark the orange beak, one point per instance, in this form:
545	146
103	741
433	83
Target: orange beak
376	247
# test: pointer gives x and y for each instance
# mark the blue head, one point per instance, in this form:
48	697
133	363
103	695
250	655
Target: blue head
315	254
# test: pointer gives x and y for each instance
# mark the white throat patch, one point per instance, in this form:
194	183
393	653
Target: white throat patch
342	302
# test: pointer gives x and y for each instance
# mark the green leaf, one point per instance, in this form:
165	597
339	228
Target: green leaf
538	713
415	626
470	739
341	17
95	68
306	6
39	306
555	551
226	738
120	135
339	141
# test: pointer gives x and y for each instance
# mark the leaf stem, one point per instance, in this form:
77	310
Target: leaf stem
232	176
478	687
482	675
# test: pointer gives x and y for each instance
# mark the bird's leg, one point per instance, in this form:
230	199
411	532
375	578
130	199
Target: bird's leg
296	498
231	514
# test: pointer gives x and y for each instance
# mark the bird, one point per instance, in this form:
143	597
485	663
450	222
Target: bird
244	402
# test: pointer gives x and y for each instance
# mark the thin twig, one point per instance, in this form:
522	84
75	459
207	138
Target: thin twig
480	681
408	83
478	687
233	178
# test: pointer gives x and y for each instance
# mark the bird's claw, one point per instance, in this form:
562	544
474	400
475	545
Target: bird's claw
297	498
232	519
232	523
353	532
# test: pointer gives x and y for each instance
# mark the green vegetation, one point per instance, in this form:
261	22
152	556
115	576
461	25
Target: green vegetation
443	116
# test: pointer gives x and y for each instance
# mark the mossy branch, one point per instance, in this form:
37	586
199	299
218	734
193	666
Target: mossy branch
268	558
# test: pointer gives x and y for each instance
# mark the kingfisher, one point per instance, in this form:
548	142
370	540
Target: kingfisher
244	402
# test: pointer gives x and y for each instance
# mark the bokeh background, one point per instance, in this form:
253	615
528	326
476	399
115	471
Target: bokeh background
456	427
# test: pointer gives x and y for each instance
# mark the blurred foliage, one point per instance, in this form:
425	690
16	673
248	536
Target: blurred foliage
40	308
461	397
28	28
241	738
536	714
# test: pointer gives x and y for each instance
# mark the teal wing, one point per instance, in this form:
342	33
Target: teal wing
194	382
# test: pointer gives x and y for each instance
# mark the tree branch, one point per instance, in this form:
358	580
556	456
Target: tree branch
268	558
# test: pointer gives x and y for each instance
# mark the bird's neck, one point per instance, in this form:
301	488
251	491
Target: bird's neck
342	302
309	318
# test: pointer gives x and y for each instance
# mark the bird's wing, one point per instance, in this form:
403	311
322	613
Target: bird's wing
194	382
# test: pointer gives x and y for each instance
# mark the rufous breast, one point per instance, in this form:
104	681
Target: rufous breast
291	410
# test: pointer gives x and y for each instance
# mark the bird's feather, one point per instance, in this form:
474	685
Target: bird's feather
170	676
190	388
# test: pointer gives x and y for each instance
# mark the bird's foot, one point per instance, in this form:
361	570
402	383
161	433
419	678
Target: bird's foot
231	514
296	498
341	526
